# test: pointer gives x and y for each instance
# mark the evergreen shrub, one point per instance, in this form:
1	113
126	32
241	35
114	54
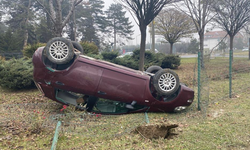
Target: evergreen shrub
110	56
16	74
89	47
171	61
127	61
29	50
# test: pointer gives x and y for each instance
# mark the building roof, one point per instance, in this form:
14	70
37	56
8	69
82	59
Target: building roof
215	35
219	35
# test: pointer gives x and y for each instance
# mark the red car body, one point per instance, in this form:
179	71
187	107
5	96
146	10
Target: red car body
105	80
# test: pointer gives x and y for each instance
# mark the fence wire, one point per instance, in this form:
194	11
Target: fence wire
214	74
76	124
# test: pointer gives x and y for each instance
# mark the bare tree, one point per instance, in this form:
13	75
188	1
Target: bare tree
145	11
173	25
232	16
55	14
201	13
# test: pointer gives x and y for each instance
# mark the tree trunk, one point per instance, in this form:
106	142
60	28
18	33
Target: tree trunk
249	49
114	36
231	45
26	34
171	48
153	36
58	31
143	29
55	14
74	28
50	27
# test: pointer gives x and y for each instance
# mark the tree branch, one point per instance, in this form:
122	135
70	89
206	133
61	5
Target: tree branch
52	19
74	4
52	10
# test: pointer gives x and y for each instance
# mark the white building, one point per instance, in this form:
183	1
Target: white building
213	38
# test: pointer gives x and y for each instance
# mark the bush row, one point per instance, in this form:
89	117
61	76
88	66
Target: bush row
159	59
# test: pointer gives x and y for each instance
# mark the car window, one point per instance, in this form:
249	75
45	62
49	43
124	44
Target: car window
113	107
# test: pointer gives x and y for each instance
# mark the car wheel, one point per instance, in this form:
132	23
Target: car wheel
59	50
166	82
153	69
77	46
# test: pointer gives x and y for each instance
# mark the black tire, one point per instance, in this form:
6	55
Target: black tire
91	103
77	46
59	50
153	69
166	82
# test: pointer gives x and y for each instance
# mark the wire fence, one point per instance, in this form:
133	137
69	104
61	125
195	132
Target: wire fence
208	83
222	77
211	81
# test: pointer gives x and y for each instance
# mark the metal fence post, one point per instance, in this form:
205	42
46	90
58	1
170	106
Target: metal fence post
146	116
230	73
199	81
53	147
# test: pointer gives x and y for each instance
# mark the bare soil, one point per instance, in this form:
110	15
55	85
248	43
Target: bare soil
155	131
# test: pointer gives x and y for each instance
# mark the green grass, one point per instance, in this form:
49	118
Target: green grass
224	125
241	53
188	60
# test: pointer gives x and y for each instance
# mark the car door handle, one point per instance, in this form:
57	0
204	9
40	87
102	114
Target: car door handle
59	83
102	93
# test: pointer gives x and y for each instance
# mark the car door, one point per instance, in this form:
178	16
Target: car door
81	77
118	84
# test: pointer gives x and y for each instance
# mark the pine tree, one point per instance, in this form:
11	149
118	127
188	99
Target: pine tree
43	32
92	22
11	41
118	24
21	16
193	46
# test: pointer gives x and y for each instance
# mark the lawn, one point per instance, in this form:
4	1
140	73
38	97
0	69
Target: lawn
28	120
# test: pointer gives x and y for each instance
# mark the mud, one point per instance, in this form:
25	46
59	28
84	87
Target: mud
155	131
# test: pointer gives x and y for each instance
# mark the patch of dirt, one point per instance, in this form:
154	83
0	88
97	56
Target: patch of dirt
155	131
217	113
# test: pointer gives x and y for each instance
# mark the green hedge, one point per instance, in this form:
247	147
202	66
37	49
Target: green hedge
16	74
89	47
29	50
110	56
127	61
151	59
171	61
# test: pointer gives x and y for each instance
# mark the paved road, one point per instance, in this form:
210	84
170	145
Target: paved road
189	56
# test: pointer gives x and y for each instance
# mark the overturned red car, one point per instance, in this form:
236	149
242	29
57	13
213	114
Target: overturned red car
63	74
